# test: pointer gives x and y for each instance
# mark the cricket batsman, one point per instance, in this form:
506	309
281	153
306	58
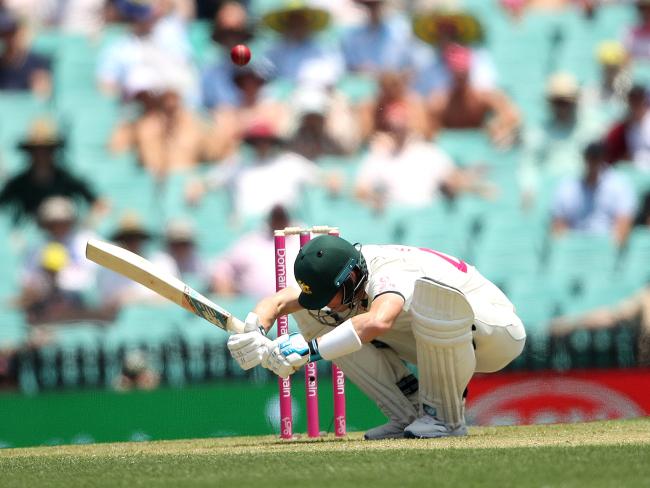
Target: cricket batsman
370	308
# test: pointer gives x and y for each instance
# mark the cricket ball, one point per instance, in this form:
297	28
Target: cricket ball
240	54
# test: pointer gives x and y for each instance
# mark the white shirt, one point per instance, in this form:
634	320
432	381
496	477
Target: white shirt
276	181
411	177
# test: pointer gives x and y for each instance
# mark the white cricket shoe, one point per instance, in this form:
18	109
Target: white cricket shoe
429	427
391	430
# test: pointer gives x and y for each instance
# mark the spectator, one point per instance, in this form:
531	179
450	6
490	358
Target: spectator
136	373
85	17
600	202
634	310
20	68
401	169
466	107
381	44
44	300
637	39
154	41
298	47
45	176
609	95
629	139
166	135
439	30
394	92
57	218
275	176
243	269
553	150
114	289
230	27
253	103
314	137
180	256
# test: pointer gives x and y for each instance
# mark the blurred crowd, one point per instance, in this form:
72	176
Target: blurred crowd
375	82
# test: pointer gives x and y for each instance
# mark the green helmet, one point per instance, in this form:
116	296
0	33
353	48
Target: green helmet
323	267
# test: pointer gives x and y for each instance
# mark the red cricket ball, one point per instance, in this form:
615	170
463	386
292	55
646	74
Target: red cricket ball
240	54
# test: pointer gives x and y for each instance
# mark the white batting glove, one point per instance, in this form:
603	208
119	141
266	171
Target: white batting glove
251	347
288	354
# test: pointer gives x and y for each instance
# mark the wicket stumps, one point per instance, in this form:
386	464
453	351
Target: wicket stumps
311	372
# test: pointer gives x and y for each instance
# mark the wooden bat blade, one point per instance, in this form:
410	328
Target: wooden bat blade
144	272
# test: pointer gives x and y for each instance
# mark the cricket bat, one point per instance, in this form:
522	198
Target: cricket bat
144	272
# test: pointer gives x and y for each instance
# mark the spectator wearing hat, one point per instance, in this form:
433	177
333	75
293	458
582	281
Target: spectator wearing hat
44	300
599	202
57	219
316	133
20	68
156	41
114	289
463	106
637	39
381	44
609	95
45	176
242	270
231	26
254	102
438	30
166	135
298	47
394	91
629	139
554	149
180	256
401	169
273	176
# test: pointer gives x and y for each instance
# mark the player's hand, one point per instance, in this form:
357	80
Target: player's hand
288	354
251	347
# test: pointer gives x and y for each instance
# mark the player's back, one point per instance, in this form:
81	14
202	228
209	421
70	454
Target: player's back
398	260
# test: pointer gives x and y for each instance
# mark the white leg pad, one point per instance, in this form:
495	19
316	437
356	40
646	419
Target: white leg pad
442	325
374	371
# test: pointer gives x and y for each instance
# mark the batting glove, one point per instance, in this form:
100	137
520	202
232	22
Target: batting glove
289	353
251	347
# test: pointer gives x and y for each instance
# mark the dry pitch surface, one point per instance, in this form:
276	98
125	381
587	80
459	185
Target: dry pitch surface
613	453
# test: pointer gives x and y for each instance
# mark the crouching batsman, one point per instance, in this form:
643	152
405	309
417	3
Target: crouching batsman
371	308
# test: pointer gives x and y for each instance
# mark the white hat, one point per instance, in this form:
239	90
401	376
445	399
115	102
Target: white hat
143	79
56	209
311	100
180	230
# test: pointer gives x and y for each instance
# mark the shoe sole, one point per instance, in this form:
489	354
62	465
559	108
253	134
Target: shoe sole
411	435
396	436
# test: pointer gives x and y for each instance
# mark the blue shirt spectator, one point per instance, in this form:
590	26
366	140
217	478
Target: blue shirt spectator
231	27
299	49
380	44
600	202
161	44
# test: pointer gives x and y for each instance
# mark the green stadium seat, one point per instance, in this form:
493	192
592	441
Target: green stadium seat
13	329
633	267
578	258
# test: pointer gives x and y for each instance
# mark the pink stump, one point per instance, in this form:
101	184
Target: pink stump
311	378
286	418
338	384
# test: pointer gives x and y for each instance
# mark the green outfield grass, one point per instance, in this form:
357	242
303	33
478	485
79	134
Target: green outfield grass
598	454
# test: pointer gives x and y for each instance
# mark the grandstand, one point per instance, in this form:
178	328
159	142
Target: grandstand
544	276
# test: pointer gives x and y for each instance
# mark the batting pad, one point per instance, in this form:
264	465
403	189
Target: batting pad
442	325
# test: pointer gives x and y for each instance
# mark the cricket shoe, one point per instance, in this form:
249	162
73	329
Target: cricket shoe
430	427
391	430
